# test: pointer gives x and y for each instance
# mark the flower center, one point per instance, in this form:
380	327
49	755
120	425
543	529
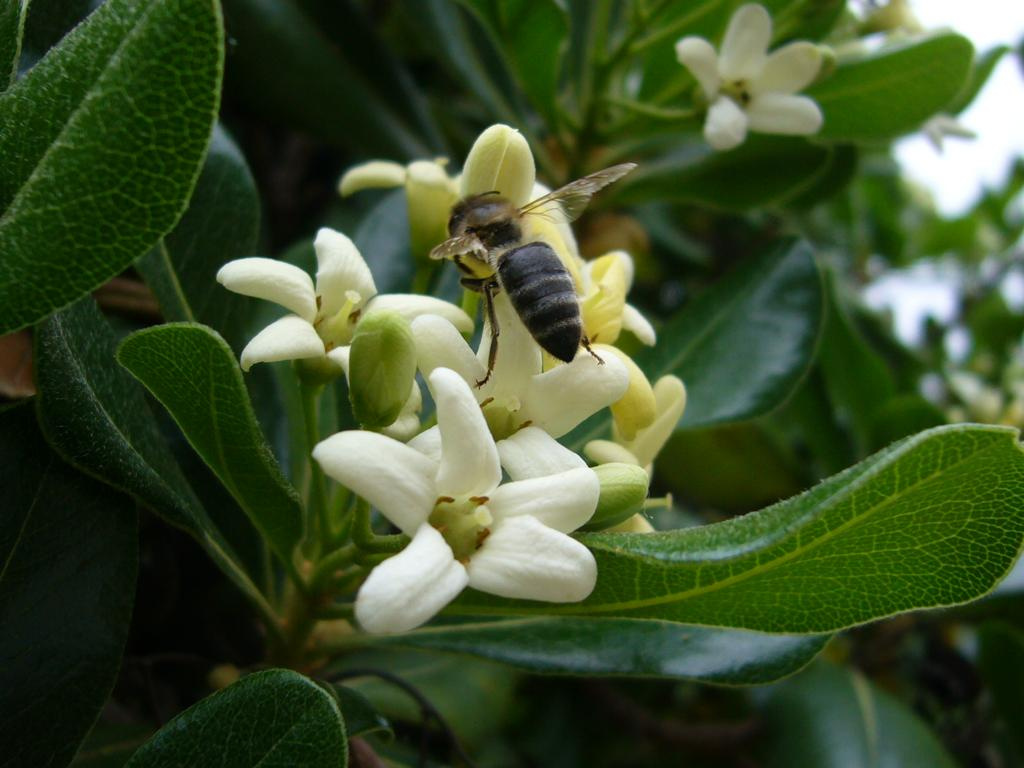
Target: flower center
738	90
502	416
337	330
463	523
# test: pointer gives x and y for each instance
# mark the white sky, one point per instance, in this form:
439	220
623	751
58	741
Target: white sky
997	115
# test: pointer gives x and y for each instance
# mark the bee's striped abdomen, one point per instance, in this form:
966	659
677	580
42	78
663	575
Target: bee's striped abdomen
544	297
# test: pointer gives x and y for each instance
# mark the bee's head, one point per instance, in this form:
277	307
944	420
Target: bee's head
478	212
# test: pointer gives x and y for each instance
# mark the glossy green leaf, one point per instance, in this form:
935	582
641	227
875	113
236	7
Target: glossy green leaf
983	67
935	520
12	27
359	714
718	463
856	377
894	90
831	717
102	142
191	370
222	223
69	555
272	718
321	90
743	345
96	417
764	170
631	647
533	35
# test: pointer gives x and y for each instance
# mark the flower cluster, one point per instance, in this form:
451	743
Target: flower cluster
487	496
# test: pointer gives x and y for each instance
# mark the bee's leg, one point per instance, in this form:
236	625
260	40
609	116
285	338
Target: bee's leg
490	288
586	345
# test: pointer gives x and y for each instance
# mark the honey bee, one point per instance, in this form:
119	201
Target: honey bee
485	242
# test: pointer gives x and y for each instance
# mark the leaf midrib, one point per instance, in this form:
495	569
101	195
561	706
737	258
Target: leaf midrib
58	140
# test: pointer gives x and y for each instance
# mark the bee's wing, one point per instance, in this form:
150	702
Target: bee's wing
573	198
454	246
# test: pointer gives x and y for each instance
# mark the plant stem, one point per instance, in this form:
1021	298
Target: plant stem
364	537
317	523
329	565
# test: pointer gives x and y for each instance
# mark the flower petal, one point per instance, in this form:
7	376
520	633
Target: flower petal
273	280
523	558
607	452
699	56
340	268
408	422
637	408
411	305
396	479
562	501
670	402
726	124
789	69
372	175
469	458
532	452
499	161
638	523
519	356
637	324
289	338
745	46
440	345
782	113
559	399
428	442
409	589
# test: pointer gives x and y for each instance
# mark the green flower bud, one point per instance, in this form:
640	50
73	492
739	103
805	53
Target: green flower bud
623	492
381	368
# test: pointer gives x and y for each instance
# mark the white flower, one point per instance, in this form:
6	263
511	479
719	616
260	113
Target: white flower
519	392
939	126
747	88
324	316
670	402
466	527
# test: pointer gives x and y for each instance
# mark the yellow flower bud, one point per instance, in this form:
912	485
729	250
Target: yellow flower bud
430	195
623	492
382	366
635	524
376	174
637	408
605	302
500	161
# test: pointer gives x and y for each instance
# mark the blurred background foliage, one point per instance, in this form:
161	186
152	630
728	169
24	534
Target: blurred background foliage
313	87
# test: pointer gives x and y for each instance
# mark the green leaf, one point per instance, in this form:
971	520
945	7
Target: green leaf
637	648
102	142
983	67
765	170
12	27
935	520
831	717
742	346
718	462
191	370
322	90
272	718
533	35
893	91
69	555
222	223
360	716
96	417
